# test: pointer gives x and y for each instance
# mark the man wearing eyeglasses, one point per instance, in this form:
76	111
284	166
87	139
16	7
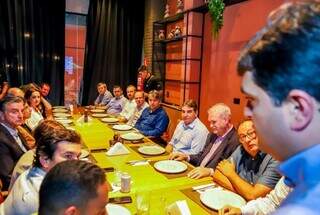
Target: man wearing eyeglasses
249	172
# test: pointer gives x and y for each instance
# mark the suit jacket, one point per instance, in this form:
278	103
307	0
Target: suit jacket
226	148
10	152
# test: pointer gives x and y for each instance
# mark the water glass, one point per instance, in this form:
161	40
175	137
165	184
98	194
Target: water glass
142	203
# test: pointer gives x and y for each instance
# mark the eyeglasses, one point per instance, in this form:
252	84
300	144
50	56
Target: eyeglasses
250	135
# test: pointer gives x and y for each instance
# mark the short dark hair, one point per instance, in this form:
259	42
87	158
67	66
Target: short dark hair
43	84
47	138
285	54
192	104
117	86
45	127
8	99
69	183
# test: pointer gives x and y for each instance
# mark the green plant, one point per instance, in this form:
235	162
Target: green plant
216	8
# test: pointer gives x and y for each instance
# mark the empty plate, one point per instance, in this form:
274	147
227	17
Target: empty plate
59	110
170	166
122	127
217	199
61	114
99	115
59	107
114	209
97	111
110	120
64	121
151	150
132	136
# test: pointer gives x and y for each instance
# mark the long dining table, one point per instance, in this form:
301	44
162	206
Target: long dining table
162	189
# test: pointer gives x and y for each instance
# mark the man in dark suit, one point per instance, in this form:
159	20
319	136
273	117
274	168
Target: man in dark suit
12	145
220	143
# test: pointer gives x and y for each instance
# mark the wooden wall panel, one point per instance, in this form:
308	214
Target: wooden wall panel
219	81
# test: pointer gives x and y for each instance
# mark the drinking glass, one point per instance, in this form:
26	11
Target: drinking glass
142	203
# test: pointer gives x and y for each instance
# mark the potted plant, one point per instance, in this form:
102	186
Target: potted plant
216	9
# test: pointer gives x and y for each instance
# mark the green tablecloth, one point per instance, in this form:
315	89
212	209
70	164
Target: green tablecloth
97	134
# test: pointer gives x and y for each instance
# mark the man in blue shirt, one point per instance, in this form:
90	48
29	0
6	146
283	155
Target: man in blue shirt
190	134
153	120
117	103
281	78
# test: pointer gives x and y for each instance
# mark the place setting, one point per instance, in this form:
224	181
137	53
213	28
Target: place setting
110	120
99	115
149	150
60	110
211	197
61	115
171	168
97	110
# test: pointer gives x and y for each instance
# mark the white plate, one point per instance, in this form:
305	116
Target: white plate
60	118
111	120
170	166
102	107
97	111
99	115
122	127
59	110
132	136
114	209
64	121
61	114
70	128
151	150
59	107
217	199
84	153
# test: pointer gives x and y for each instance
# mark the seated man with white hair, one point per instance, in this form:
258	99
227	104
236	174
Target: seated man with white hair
220	143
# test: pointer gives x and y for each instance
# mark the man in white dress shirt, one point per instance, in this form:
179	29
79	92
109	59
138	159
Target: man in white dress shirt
190	134
141	104
130	106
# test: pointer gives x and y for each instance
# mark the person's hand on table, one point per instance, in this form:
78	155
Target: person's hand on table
199	172
226	168
229	210
122	119
178	156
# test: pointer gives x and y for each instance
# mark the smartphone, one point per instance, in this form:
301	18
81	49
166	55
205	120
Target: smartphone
108	169
121	200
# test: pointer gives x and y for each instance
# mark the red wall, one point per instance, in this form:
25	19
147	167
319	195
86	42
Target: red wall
219	79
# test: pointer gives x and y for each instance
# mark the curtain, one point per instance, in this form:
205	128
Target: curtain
32	43
113	45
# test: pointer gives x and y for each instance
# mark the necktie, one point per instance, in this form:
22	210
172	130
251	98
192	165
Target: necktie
19	142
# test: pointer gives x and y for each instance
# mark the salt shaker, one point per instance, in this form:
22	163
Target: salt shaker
125	182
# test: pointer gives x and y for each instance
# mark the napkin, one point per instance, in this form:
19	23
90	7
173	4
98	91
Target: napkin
178	208
117	149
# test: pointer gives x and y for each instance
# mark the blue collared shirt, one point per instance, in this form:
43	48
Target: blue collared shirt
153	123
116	104
259	170
189	139
303	172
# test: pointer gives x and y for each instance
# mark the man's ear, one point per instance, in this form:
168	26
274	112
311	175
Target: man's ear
300	107
71	210
45	161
